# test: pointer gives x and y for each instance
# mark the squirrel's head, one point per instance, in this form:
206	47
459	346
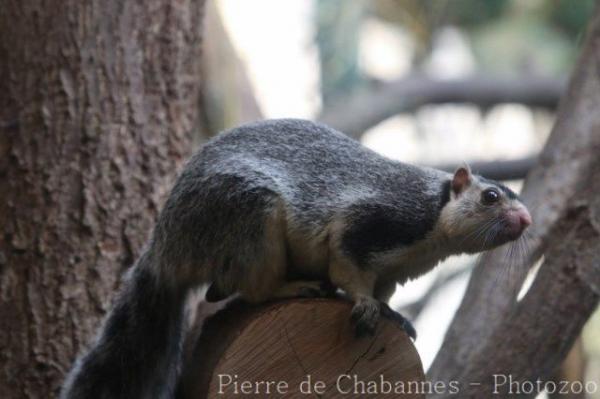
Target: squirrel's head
482	214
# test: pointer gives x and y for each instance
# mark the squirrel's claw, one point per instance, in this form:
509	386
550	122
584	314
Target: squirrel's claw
391	314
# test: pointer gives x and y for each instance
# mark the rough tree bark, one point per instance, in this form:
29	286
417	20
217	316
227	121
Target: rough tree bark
98	102
492	331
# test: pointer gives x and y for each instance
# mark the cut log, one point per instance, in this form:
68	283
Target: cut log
299	348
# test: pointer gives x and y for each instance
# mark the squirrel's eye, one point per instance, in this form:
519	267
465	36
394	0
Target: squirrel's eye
490	196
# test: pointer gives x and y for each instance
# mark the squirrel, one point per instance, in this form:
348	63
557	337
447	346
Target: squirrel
285	208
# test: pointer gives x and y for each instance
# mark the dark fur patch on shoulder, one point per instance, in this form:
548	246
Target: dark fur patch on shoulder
376	227
380	226
507	191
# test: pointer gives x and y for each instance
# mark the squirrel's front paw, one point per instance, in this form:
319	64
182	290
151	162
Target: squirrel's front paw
365	315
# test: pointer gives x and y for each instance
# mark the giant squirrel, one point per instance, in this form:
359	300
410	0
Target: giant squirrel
285	208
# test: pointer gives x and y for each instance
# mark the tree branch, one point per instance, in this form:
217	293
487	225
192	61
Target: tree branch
414	309
490	320
537	333
228	97
513	169
368	107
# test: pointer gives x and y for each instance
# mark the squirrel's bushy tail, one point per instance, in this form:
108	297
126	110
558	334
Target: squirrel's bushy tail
138	351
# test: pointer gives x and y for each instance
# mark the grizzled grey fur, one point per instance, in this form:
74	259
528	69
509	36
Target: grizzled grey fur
273	209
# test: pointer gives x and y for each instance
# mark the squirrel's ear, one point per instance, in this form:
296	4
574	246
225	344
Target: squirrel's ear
461	180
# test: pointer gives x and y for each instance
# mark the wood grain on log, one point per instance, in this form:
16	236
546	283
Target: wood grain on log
290	342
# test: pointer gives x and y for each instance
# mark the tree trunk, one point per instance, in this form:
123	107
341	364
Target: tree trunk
492	331
228	94
98	103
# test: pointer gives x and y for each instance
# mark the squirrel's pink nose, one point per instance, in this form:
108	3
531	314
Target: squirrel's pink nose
524	218
517	221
